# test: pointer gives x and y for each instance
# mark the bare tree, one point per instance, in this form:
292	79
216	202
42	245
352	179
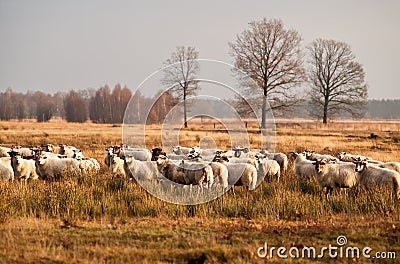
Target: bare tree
180	76
270	55
337	80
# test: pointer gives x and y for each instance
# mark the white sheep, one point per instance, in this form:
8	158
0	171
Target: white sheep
268	168
137	153
89	165
347	157
23	169
311	155
24	152
56	169
335	175
77	154
4	152
140	170
371	176
5	161
281	158
245	175
52	149
181	150
116	166
241	174
68	151
6	173
221	173
240	152
50	154
303	168
389	165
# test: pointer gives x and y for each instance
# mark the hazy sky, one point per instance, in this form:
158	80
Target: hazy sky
51	45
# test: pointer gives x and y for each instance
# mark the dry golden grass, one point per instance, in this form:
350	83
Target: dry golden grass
94	219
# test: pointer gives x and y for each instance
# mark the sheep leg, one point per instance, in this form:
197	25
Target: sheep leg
233	190
328	192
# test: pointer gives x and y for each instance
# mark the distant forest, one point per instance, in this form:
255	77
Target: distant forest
105	105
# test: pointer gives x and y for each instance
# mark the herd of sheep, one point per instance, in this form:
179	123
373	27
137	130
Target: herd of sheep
202	167
47	163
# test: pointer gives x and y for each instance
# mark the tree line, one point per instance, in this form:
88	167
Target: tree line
101	105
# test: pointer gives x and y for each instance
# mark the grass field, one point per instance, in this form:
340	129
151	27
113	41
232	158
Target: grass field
94	219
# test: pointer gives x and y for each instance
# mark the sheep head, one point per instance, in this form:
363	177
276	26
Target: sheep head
361	164
320	165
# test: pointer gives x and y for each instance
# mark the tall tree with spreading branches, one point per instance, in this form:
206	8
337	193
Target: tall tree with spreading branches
337	80
271	56
180	75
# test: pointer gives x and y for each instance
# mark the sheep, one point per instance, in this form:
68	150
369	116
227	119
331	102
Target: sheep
88	165
243	160
5	160
140	170
181	150
116	166
107	158
52	149
347	157
170	170
137	153
389	165
311	155
226	153
240	152
24	152
268	168
23	169
197	173
50	154
371	176
240	174
281	158
221	173
303	168
155	152
77	154
68	151
219	170
335	175
4	152
55	169
6	172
